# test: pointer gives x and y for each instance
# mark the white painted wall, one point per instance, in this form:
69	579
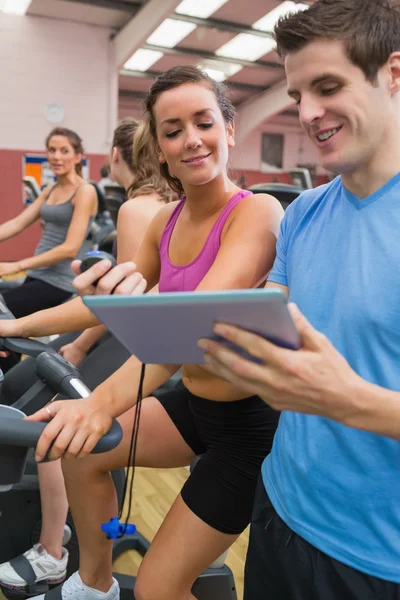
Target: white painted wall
43	61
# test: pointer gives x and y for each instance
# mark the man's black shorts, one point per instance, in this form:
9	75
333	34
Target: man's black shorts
281	565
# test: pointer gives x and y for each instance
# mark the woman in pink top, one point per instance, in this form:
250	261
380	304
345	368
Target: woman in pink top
217	237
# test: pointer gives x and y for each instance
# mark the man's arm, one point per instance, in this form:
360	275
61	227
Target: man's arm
375	409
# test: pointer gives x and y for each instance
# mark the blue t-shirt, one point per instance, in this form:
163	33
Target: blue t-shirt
338	487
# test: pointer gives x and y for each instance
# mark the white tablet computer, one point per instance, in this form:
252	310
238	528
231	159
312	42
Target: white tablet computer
165	328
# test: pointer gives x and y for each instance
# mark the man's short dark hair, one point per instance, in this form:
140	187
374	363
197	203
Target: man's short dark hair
370	30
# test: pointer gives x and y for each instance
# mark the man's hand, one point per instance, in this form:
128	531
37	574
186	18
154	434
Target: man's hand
75	428
122	279
315	379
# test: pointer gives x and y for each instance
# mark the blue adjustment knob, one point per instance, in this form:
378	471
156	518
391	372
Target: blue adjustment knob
114	529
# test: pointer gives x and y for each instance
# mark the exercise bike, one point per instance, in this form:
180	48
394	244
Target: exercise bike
20	504
20	512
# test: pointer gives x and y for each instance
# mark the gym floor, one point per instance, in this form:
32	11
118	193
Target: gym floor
155	491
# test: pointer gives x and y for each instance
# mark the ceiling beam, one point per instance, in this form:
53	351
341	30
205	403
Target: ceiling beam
140	97
123	5
132	37
181	51
234	85
255	111
220	25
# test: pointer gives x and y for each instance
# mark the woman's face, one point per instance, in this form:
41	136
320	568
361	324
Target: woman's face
193	138
61	155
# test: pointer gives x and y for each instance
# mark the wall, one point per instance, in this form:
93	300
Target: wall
298	149
45	61
129	109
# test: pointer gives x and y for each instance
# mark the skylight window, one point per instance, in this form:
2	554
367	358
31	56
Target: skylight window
197	8
215	74
246	46
219	70
142	60
268	22
14	7
170	33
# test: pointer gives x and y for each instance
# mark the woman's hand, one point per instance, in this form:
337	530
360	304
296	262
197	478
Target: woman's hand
9	268
73	353
75	428
102	280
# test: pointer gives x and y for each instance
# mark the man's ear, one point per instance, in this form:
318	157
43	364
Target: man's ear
394	72
230	131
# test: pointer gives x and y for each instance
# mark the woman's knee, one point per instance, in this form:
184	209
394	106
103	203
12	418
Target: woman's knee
150	587
78	470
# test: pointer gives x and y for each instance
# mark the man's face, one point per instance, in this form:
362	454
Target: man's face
344	114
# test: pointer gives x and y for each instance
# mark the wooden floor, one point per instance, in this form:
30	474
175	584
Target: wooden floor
154	492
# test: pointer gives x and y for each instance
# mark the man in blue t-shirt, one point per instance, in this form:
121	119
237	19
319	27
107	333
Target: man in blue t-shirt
326	522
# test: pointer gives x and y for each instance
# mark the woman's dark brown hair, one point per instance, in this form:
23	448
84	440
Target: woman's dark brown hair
74	140
174	78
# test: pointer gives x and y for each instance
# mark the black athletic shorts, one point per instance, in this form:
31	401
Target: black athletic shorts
233	439
281	565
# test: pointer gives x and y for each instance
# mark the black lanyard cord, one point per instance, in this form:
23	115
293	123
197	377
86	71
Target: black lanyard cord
132	452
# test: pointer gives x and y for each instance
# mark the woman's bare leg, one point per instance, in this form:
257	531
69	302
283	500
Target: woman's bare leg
54	503
182	549
91	492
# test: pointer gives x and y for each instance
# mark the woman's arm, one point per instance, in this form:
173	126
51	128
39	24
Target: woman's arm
14	226
248	245
94	414
75	352
84	208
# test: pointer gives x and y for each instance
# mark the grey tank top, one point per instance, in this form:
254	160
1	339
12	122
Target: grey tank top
57	219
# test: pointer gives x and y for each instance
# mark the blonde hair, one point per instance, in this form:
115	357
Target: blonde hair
147	178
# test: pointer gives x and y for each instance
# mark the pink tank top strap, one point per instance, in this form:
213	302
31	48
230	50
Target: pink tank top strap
166	234
215	234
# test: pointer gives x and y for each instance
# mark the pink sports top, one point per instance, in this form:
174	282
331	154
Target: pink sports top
186	278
